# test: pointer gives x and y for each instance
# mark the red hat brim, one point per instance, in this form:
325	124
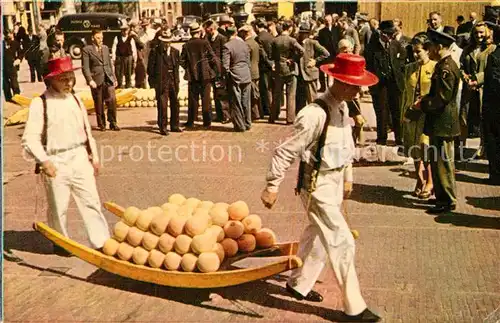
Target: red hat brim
367	79
61	72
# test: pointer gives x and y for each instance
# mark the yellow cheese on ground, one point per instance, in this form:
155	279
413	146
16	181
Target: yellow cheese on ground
238	210
110	247
208	262
217	232
196	225
134	237
150	241
219	215
193	202
188	262
203	242
140	256
176	198
252	223
156	258
185	210
125	251
144	220
176	225
166	242
130	215
172	261
182	244
120	231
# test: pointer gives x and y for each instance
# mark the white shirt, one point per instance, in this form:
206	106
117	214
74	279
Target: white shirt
124	39
339	146
65	127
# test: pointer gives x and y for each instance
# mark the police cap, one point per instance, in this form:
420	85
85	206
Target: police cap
440	38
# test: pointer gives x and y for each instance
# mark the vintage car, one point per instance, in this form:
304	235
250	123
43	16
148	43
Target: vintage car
77	29
181	29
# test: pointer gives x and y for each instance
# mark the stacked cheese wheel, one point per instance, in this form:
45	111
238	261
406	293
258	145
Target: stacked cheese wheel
143	98
187	234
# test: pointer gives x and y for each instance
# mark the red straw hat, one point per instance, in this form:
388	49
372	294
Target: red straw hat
59	66
350	69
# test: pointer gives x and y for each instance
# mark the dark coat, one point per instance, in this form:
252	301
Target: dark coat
491	90
286	52
217	45
255	53
330	40
237	61
96	67
440	105
159	77
31	48
199	61
264	38
312	49
378	60
11	54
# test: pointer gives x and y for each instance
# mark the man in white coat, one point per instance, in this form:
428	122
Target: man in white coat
58	136
323	183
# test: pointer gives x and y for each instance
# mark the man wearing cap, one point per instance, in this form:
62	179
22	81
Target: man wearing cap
58	136
314	55
236	61
322	129
224	22
163	71
491	109
97	70
441	121
124	54
201	68
385	56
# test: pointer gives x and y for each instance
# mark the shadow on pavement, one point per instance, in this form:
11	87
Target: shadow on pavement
385	195
259	292
489	203
468	220
460	177
472	167
27	241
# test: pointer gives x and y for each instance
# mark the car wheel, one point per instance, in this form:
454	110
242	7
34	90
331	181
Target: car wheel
75	51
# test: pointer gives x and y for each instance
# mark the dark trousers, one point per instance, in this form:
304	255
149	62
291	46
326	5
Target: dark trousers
256	108
441	154
386	103
104	94
35	68
239	101
123	67
492	144
266	92
221	99
306	92
195	90
291	87
140	74
10	84
163	97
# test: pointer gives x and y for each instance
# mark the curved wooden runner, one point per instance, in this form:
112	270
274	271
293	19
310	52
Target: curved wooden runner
221	278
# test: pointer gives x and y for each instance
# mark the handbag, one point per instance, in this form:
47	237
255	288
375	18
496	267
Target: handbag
413	114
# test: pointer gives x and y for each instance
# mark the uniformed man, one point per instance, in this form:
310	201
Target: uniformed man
441	123
59	137
323	141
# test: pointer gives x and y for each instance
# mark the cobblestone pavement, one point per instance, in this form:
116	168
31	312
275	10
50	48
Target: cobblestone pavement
412	267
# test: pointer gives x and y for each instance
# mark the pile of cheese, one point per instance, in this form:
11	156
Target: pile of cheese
142	98
187	234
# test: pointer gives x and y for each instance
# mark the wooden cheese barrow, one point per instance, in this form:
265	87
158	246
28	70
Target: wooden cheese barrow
222	278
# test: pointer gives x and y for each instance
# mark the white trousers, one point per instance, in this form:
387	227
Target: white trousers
75	176
328	238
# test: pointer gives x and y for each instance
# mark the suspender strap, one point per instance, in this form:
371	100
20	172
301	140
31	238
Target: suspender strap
87	142
317	155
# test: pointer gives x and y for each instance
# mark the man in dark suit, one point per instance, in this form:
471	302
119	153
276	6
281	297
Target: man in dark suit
462	28
236	60
435	22
202	67
385	57
441	121
12	57
163	70
328	37
246	33
96	67
491	110
314	55
264	38
286	53
32	53
221	95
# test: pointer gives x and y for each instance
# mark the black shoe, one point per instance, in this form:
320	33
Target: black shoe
114	127
102	129
61	251
164	132
438	209
189	125
176	130
365	316
311	297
